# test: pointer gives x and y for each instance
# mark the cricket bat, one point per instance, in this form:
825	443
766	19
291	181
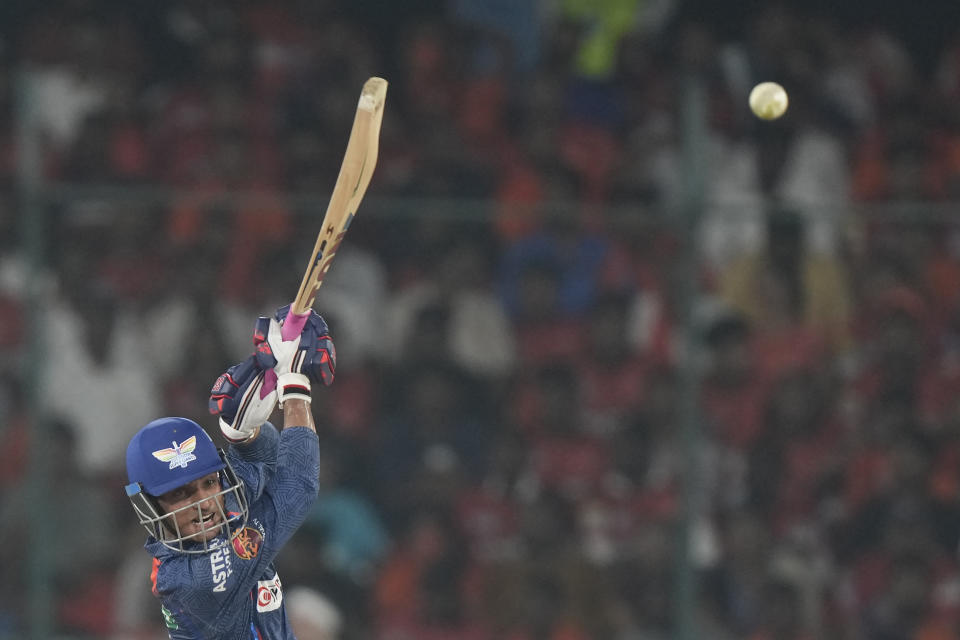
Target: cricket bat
356	170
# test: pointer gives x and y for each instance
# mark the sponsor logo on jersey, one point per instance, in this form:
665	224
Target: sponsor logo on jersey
246	544
168	618
269	594
179	454
220	568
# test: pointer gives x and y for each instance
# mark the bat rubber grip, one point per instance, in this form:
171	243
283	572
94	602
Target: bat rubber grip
293	324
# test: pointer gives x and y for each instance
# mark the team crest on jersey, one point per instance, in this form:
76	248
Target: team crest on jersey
246	544
179	454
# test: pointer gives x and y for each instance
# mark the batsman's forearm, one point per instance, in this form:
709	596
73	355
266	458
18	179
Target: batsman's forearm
296	413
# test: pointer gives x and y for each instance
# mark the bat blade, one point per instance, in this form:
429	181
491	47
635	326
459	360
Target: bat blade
359	161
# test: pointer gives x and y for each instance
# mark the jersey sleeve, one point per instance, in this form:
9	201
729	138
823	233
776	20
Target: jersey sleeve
285	501
296	483
255	462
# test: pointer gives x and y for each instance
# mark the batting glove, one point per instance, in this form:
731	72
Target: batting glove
236	398
309	357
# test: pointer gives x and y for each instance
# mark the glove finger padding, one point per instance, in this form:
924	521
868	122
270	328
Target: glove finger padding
316	355
319	362
263	352
235	397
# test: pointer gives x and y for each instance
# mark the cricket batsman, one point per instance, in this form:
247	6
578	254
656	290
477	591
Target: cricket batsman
217	519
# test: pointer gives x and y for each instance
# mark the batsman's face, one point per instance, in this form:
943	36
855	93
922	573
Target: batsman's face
196	507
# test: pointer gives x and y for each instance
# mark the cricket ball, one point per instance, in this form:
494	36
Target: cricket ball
768	100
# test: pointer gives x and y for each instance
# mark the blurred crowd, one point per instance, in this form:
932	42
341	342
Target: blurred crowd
553	364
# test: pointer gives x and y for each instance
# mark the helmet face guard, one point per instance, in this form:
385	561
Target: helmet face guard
230	501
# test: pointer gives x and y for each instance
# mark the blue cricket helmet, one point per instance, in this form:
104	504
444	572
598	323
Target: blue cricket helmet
170	452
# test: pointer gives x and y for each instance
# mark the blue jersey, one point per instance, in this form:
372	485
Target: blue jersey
233	591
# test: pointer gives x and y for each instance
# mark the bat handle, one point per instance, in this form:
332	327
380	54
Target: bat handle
292	326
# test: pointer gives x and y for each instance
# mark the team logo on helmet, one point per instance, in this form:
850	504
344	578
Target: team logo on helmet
179	454
246	544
